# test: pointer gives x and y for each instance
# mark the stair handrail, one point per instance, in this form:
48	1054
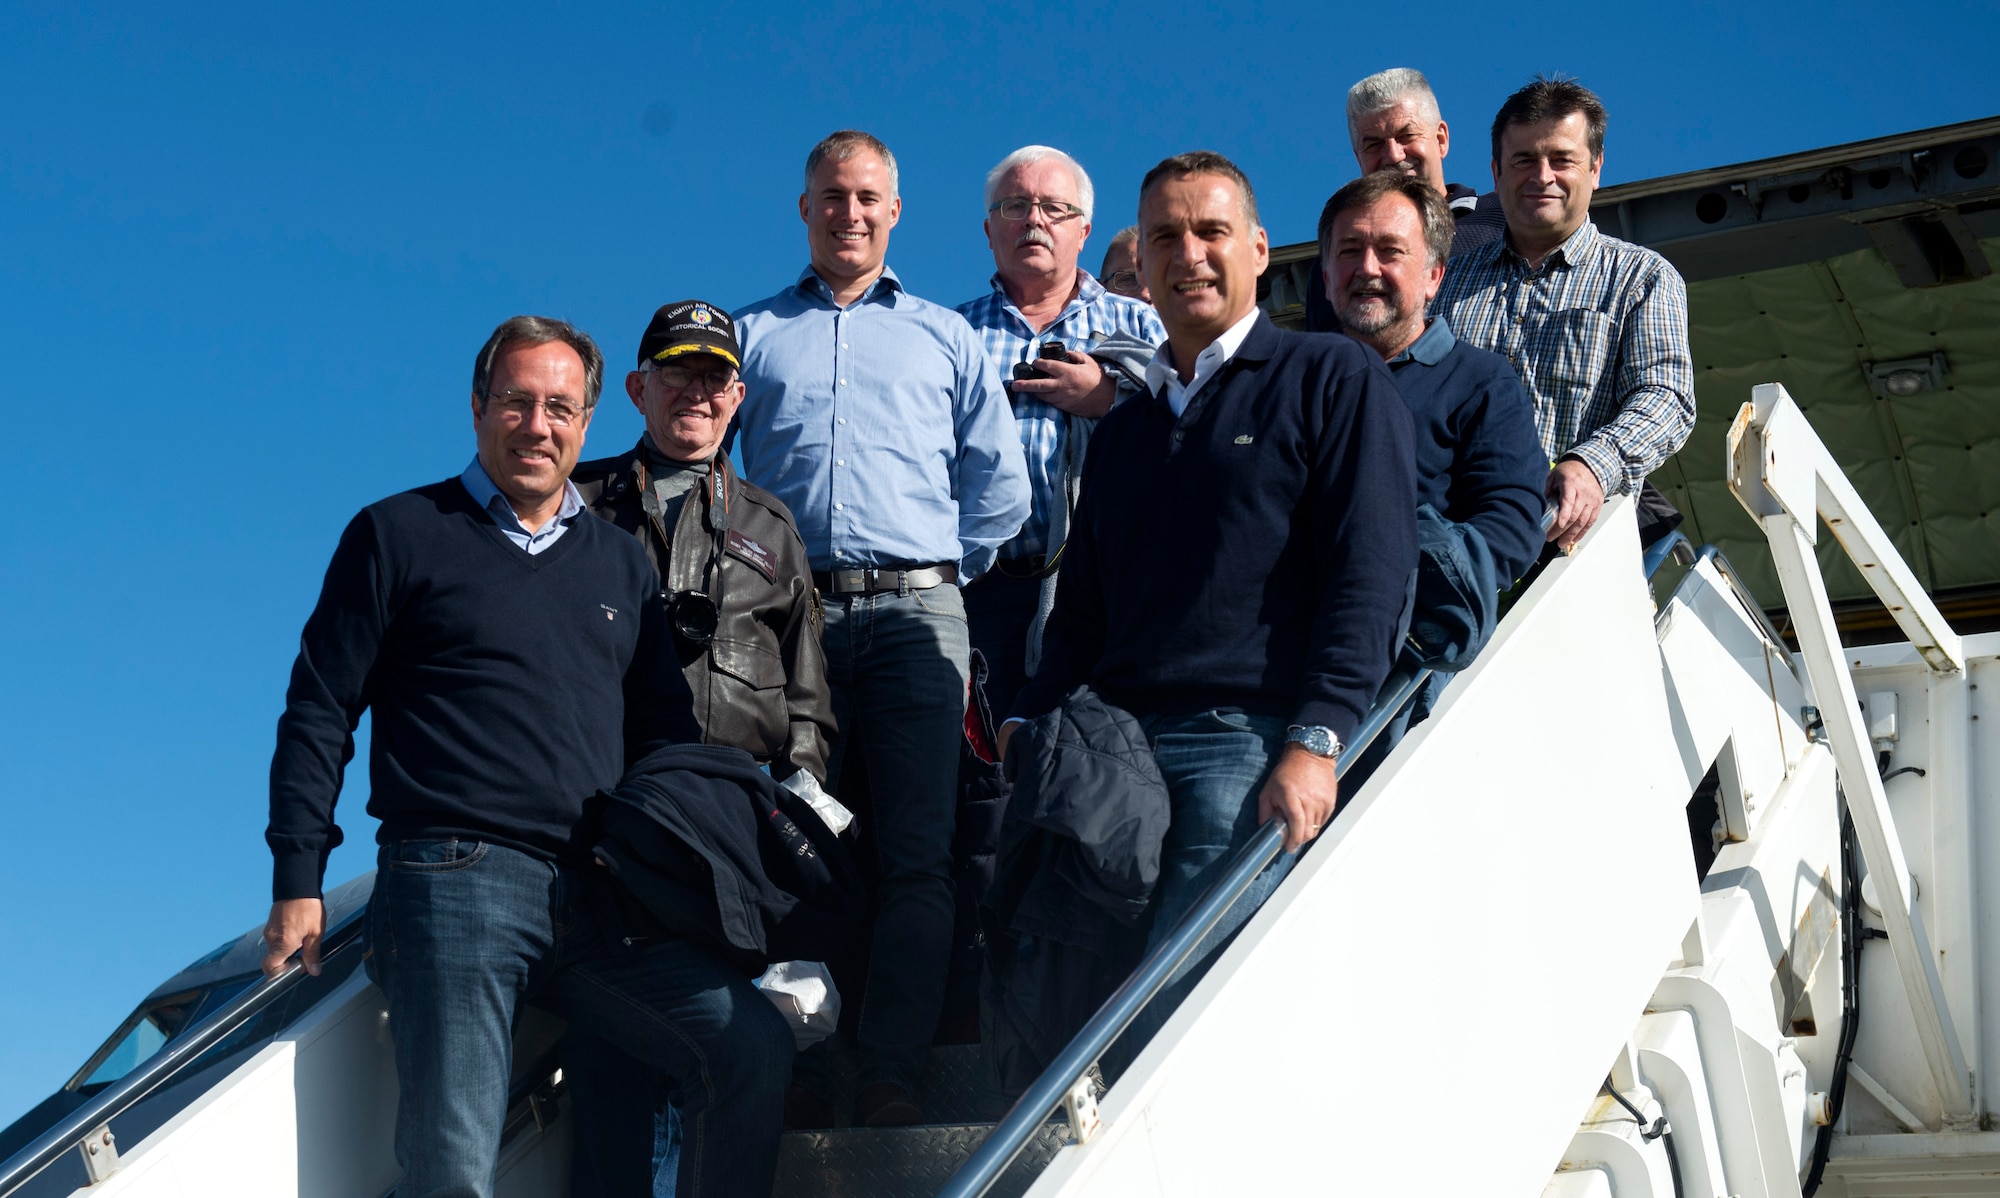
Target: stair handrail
1025	1117
176	1055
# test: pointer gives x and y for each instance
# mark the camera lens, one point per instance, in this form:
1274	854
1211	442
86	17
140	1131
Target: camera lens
694	616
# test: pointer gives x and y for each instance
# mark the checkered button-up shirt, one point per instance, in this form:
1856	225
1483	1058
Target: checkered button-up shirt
1092	315
1599	335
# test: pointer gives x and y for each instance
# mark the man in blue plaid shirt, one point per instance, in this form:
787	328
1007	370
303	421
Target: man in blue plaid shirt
1596	327
1038	209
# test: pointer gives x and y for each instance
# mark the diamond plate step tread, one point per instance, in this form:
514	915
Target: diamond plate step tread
952	1091
901	1162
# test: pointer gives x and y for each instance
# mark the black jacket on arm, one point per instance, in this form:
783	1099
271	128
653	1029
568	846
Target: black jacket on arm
760	684
1255	553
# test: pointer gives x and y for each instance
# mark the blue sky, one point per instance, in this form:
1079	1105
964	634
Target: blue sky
247	254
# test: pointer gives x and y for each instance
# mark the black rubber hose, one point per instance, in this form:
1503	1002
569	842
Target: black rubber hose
1659	1131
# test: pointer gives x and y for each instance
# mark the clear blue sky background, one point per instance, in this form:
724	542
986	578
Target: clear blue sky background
247	254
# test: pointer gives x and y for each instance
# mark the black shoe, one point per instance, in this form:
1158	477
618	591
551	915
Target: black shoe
886	1104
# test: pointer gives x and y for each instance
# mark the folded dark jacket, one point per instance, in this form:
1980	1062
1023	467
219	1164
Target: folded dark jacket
1079	857
721	854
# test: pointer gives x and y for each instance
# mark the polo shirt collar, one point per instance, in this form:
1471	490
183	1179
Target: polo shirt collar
1431	345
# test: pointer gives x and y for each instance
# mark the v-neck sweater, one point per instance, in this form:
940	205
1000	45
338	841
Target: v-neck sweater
507	688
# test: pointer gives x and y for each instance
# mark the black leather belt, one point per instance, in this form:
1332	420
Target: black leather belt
883	580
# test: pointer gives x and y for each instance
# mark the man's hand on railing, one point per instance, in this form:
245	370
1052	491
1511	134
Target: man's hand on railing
1302	791
295	926
1576	497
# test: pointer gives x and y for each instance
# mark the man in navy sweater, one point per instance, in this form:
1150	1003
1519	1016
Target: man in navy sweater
514	652
1242	547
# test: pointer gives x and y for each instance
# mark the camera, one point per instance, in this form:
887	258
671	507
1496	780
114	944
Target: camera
1049	349
693	615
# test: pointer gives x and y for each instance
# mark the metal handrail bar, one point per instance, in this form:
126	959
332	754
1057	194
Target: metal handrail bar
163	1066
1023	1119
1676	544
1713	555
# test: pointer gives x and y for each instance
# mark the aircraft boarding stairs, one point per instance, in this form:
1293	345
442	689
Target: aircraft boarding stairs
1508	968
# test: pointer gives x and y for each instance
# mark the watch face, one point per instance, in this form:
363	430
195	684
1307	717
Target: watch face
1318	741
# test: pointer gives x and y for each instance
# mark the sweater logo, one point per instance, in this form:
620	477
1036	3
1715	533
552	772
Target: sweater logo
610	613
1245	439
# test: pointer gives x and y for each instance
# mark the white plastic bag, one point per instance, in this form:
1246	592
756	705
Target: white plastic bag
807	787
804	993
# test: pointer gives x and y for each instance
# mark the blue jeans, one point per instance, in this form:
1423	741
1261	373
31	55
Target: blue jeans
462	932
628	1130
897	665
1214	763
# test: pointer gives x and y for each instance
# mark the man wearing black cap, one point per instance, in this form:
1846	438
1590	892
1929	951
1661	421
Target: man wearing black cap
745	621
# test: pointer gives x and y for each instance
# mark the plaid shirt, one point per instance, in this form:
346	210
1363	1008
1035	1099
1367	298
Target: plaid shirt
1092	315
1599	335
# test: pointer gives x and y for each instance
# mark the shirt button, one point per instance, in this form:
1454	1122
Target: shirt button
840	461
843	345
839	507
842	420
1179	434
843	382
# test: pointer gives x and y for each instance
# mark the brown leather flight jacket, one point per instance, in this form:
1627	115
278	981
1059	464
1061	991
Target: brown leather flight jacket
760	683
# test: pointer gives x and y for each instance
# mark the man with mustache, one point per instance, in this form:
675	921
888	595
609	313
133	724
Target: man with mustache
1393	123
876	417
1595	327
745	622
1385	238
1038	209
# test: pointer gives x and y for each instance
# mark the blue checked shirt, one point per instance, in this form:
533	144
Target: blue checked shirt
882	427
1092	315
1599	335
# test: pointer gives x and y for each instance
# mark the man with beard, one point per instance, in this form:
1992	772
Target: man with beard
1038	209
1384	239
1393	123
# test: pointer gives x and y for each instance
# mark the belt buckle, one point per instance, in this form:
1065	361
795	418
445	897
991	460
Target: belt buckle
848	582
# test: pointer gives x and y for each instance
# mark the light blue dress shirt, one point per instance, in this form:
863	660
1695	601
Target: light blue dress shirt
480	486
882	426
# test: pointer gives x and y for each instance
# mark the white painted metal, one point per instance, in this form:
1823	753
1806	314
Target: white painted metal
1787	447
1488	917
1779	466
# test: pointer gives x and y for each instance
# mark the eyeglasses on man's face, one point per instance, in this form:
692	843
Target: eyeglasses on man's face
519	405
681	378
1122	280
1016	208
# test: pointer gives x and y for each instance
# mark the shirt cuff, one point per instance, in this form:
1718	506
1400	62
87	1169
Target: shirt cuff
1604	462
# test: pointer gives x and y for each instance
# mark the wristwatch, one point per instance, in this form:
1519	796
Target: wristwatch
1315	739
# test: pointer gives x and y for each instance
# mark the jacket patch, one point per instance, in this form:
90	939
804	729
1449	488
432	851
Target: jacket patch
745	549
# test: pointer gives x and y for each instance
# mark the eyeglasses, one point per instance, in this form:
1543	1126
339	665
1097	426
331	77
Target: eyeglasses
680	378
1122	280
518	404
1016	208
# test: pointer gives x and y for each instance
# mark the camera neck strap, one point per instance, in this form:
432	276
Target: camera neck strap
719	494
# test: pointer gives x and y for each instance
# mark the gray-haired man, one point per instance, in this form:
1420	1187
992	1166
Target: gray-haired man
1393	123
1038	210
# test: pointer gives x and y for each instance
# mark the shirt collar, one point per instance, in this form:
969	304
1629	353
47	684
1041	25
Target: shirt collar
1431	345
1579	247
812	285
480	486
1088	292
1219	352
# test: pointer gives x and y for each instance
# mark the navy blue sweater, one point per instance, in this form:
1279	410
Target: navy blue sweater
1255	553
1479	458
507	688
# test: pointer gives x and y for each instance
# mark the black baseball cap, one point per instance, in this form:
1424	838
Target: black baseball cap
690	327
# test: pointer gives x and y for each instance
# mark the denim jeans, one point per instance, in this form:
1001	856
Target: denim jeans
1000	610
628	1130
462	932
897	665
1214	763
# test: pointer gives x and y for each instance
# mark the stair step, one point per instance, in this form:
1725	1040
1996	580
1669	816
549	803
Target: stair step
901	1162
953	1089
